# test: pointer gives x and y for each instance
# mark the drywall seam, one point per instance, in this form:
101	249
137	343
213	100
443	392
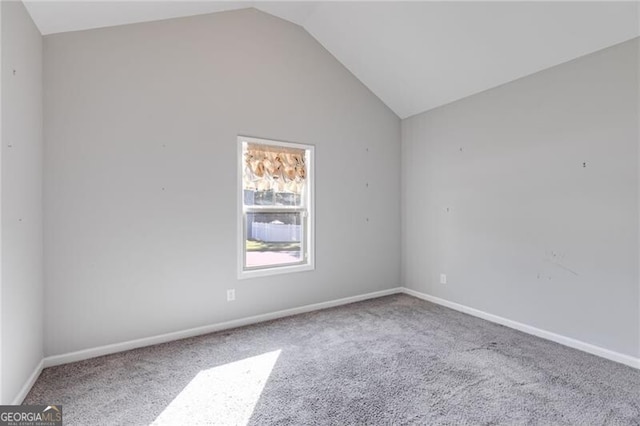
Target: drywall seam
51	361
557	338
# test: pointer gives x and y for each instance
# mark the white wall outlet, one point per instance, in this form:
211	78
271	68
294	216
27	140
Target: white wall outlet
231	295
443	278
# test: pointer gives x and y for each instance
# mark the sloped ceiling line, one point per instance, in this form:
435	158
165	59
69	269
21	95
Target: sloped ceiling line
414	56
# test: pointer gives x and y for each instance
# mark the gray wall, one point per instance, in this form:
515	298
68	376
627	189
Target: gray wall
496	195
21	189
140	166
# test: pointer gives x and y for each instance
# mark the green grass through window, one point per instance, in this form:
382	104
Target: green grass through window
253	245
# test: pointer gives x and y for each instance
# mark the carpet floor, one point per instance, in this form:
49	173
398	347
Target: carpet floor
392	360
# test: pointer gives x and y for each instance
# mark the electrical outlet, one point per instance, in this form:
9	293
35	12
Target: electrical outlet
231	295
443	278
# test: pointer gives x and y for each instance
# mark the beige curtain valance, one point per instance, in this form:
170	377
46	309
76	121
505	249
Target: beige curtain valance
278	168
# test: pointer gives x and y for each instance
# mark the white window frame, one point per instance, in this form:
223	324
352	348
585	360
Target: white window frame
308	238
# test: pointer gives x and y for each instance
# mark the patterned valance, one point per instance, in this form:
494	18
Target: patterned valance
274	167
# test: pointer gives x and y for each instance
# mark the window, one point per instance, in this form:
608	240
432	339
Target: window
275	227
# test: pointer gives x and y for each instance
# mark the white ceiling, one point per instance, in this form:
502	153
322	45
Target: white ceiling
415	56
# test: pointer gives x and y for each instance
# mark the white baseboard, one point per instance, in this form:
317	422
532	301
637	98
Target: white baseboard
168	337
28	384
563	340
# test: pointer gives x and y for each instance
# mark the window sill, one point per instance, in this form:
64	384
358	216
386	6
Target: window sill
280	270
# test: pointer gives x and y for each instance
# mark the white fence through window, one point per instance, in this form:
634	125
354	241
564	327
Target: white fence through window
275	232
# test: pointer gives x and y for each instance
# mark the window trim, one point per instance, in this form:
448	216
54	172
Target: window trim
308	238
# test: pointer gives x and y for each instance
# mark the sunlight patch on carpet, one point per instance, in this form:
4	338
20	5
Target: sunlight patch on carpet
223	395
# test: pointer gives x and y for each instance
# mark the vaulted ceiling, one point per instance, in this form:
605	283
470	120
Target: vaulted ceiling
414	56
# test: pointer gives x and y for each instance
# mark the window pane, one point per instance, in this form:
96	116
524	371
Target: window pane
273	175
275	208
273	238
271	198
